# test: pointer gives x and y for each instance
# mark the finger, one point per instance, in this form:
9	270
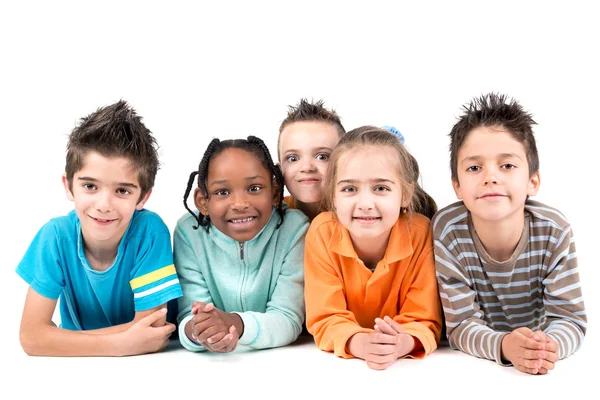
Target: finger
530	364
163	344
384	327
234	340
528	343
395	325
547	365
551	346
152	318
222	343
216	337
201	317
534	354
208	332
208	307
197	305
382	338
381	349
531	371
379	366
542	371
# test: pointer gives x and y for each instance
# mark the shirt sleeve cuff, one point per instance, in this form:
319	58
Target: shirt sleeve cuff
184	340
251	329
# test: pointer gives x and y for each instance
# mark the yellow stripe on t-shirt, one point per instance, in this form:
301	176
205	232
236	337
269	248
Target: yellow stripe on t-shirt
152	276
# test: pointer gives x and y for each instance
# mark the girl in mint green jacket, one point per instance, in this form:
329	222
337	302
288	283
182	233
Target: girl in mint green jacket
240	259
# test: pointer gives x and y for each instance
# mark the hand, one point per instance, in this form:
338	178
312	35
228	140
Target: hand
214	329
551	348
525	350
143	338
405	343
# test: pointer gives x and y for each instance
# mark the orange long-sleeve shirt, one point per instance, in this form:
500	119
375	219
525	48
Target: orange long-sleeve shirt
343	297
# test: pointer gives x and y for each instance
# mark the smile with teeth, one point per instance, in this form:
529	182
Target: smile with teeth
102	221
241	220
367	220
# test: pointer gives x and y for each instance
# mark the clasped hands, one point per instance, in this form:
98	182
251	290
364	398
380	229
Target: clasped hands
214	329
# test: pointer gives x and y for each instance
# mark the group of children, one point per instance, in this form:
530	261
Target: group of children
357	253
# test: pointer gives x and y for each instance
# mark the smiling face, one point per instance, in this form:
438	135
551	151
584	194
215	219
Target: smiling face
493	175
240	194
305	148
368	192
106	193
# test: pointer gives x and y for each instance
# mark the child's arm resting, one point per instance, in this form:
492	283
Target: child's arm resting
420	312
566	320
281	323
327	316
465	327
40	337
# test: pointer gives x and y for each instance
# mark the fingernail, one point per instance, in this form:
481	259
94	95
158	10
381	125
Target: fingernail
210	340
164	309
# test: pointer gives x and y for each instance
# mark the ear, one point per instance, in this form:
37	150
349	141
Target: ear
534	184
66	185
141	203
201	201
456	187
407	196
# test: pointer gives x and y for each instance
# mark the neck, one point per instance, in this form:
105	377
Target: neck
371	250
500	238
100	256
311	210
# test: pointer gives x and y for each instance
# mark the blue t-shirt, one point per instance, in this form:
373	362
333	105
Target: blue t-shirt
142	277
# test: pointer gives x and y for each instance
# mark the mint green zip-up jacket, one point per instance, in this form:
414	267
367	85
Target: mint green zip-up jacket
262	280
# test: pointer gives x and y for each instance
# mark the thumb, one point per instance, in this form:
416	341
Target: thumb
152	318
396	326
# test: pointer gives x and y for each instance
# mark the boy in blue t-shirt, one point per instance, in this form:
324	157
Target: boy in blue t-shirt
109	260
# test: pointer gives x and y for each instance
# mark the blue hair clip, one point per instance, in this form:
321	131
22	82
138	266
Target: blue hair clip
395	132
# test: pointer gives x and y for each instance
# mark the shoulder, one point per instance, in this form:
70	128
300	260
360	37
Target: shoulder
543	213
60	228
294	218
145	222
447	218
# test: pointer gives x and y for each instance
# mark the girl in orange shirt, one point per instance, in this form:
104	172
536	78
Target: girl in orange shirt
370	284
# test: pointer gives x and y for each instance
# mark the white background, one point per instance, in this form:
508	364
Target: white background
198	70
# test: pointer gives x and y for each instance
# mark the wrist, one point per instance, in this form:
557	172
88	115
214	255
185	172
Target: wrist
238	323
405	345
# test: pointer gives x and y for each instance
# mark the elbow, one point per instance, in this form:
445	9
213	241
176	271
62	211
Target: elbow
28	343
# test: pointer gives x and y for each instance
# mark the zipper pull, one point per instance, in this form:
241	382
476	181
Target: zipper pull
242	251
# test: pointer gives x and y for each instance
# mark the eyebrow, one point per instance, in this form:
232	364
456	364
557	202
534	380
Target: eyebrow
90	179
317	149
503	155
376	180
248	178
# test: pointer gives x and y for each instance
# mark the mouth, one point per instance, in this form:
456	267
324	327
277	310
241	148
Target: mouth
241	220
309	181
492	196
102	221
366	220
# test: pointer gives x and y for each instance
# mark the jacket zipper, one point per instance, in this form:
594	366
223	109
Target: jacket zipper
242	251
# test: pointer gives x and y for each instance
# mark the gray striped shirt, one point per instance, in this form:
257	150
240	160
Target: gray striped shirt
537	288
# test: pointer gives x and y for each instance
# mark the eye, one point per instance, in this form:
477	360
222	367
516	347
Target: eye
508	166
322	157
221	192
123	192
89	186
474	168
381	188
349	189
254	189
292	158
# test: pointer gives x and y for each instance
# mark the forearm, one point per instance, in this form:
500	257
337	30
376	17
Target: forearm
273	328
477	340
48	340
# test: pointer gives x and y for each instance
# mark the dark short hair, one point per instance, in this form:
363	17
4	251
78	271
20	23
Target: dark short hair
114	131
494	110
306	111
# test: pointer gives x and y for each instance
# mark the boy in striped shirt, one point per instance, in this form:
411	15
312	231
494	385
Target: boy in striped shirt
109	260
506	265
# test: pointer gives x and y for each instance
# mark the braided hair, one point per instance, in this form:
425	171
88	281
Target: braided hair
252	145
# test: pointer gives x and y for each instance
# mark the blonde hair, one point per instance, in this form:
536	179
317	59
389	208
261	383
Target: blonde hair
408	169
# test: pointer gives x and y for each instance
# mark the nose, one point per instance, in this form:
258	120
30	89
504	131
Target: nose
307	165
365	201
104	201
240	201
490	176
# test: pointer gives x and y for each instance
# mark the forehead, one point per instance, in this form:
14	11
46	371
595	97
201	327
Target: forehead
308	134
369	163
107	169
488	141
232	164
